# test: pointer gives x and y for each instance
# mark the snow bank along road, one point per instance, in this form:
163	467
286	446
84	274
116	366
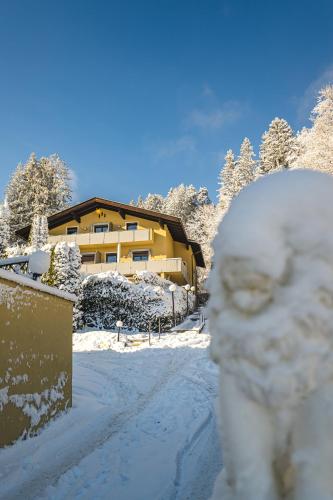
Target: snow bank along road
142	426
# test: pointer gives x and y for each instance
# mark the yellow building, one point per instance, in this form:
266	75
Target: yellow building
117	237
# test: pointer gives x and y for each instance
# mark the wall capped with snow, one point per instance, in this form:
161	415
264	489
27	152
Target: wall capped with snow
108	297
35	355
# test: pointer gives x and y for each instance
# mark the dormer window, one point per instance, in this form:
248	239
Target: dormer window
131	226
72	230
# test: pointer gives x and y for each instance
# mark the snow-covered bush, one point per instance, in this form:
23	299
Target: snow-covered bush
108	297
271	318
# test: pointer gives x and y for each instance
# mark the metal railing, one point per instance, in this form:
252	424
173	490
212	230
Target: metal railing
33	265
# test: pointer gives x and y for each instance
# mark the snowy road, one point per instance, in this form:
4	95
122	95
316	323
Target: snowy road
142	426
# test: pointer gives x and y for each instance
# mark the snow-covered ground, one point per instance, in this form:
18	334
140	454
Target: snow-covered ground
142	426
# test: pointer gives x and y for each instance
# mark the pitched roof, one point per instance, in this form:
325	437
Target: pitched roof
174	224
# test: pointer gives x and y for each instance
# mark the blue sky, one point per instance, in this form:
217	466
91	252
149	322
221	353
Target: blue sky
137	96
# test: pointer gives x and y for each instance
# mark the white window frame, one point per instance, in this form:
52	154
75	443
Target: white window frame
72	227
111	253
132	222
88	253
102	224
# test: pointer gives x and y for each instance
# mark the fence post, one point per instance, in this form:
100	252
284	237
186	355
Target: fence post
149	332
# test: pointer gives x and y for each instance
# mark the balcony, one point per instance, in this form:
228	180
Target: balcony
175	265
107	238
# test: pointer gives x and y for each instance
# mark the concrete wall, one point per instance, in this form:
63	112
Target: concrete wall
35	355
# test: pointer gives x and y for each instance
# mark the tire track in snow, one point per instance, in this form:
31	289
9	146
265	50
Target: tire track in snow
165	472
184	451
105	427
211	456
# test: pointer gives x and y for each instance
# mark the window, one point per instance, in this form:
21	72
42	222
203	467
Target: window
131	226
88	258
111	257
101	228
139	256
72	230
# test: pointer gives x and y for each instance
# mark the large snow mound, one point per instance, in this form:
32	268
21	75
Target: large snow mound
271	305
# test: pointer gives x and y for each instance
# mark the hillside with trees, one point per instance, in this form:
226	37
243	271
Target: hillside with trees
42	186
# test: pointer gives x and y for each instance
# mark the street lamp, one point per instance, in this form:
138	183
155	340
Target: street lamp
187	288
172	289
119	325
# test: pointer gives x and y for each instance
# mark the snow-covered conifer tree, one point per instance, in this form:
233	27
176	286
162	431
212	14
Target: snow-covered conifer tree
245	165
226	181
61	264
67	277
50	277
316	143
181	201
39	231
67	264
140	202
74	284
202	228
278	147
4	228
154	202
74	275
38	187
202	197
59	179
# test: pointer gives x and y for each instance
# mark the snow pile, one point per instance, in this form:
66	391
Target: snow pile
108	297
271	315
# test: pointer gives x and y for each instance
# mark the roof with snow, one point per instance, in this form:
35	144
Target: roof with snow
75	212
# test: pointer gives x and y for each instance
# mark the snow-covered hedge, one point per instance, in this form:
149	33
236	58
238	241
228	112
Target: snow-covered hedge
108	297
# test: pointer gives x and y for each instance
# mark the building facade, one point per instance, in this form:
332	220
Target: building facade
117	237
